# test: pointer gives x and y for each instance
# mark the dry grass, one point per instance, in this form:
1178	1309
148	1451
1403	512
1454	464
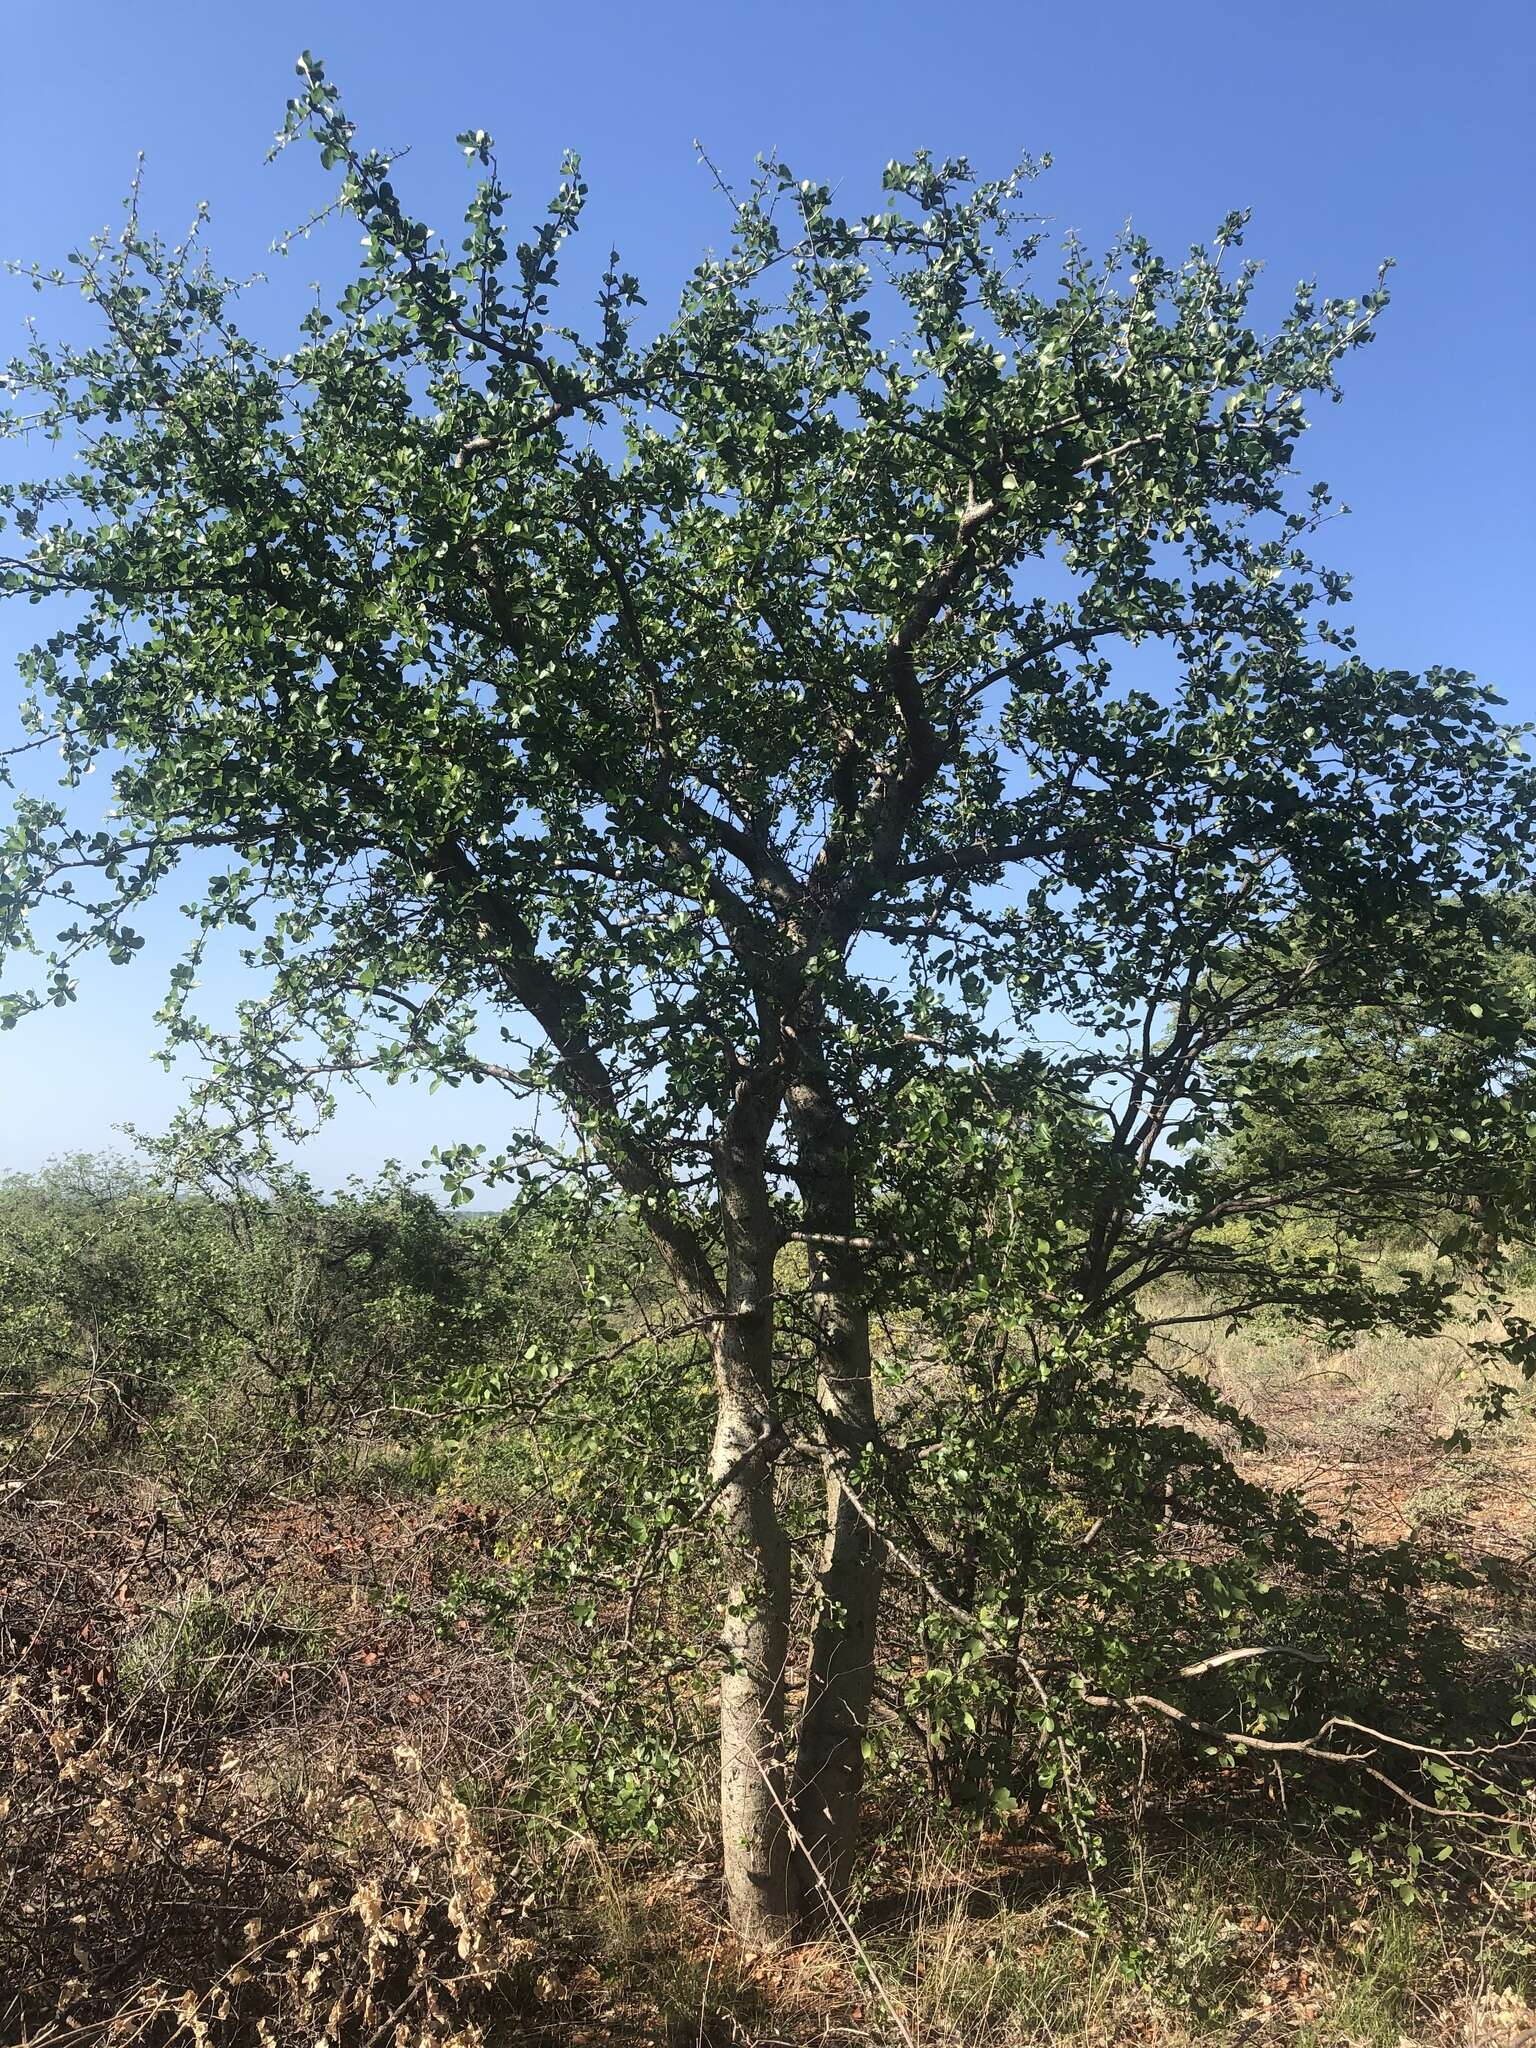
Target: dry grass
1364	1431
1229	1935
256	1791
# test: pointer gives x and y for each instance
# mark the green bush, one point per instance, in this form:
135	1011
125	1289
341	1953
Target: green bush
207	1657
244	1325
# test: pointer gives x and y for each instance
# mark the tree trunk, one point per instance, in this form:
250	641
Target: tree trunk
760	1880
840	1677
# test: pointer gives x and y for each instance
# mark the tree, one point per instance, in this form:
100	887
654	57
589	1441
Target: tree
768	741
1391	1104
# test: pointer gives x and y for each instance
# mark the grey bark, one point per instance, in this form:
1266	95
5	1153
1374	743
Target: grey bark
840	1676
760	1878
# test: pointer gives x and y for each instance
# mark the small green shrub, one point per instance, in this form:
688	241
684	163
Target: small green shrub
209	1659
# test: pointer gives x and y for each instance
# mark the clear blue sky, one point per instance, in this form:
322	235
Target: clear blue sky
1355	129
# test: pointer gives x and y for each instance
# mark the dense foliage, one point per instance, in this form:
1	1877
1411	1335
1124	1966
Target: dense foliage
239	1323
